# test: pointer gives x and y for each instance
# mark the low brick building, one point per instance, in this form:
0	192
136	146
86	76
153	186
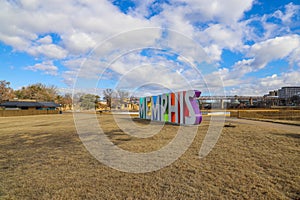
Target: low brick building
25	105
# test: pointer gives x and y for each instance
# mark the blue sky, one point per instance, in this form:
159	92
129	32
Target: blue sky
241	47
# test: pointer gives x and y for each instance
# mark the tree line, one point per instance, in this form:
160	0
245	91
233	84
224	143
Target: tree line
38	92
114	99
41	92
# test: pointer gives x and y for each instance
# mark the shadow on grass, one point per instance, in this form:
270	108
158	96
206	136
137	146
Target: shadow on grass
291	135
141	121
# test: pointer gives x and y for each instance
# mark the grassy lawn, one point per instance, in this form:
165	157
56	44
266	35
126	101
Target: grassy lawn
42	157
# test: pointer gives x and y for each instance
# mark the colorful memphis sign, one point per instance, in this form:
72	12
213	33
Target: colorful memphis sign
180	107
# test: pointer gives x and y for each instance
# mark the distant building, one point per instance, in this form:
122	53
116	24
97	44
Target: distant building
27	105
288	92
271	99
273	93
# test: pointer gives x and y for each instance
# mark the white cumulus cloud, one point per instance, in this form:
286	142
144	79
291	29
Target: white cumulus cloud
47	67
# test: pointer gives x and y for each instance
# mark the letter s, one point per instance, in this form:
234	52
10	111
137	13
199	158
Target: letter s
195	115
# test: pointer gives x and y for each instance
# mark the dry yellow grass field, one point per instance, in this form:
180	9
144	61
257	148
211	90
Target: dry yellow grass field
42	157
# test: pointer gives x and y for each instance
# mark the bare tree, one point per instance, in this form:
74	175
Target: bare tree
6	92
119	98
123	95
108	93
65	101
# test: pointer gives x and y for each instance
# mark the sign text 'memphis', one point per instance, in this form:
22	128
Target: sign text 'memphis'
179	107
